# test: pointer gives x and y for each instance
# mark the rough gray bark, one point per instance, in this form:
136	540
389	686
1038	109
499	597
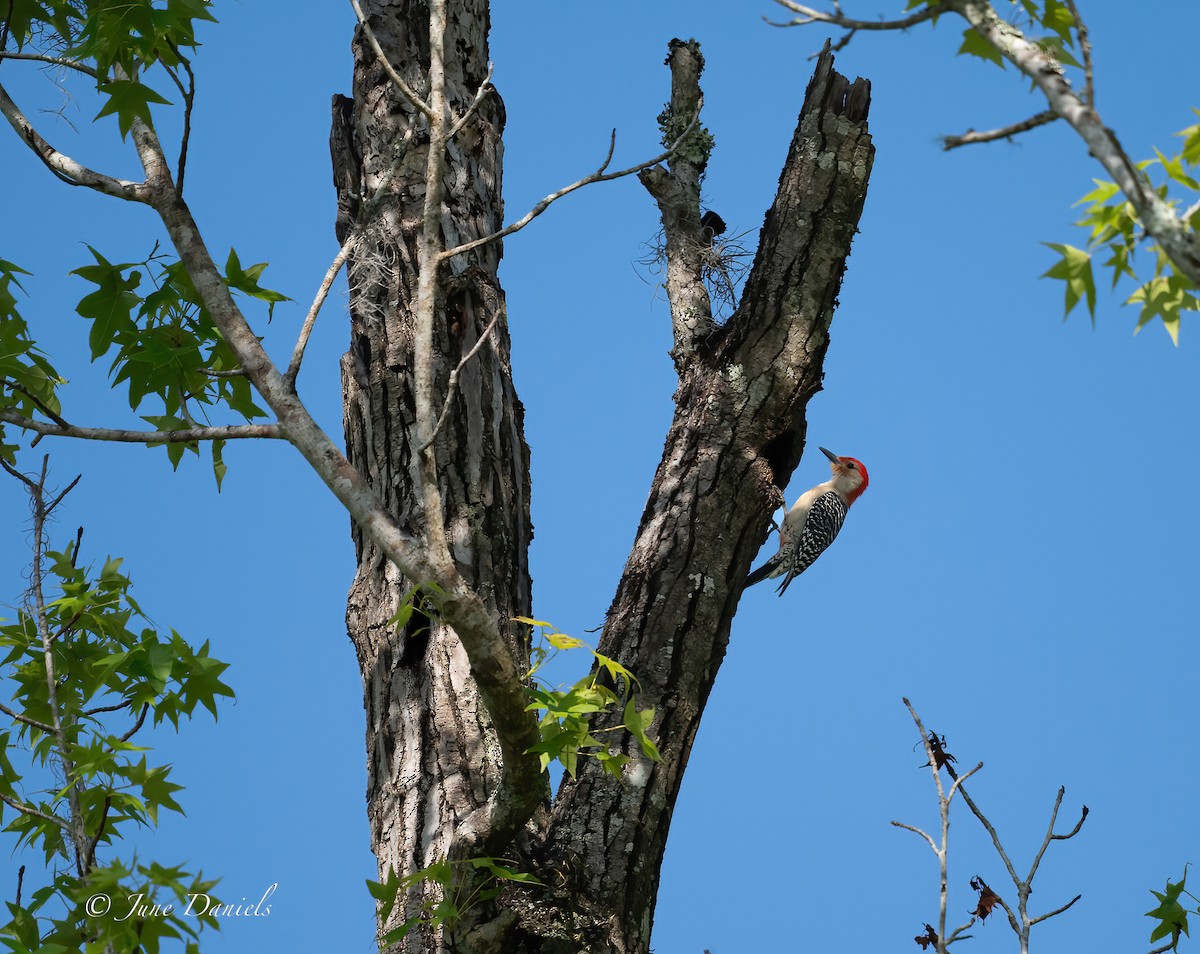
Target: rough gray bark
431	756
737	435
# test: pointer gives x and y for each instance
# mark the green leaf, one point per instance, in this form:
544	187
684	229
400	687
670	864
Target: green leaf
219	468
1191	142
533	622
110	306
1074	268
1174	168
563	641
975	45
1171	915
637	722
129	100
246	281
1165	297
1057	17
1056	47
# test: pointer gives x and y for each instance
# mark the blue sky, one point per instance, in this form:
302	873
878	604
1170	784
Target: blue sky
1022	566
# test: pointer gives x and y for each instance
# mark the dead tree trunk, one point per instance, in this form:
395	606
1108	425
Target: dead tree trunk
737	435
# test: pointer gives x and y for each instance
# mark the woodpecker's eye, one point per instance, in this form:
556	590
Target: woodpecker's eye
850	464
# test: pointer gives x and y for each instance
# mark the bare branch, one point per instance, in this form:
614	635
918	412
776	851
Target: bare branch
480	94
1051	914
112	708
29	810
971	137
42	406
63	166
405	90
1037	859
347	249
53	60
958	780
40	726
91	854
925	835
809	15
990	829
310	319
1085	49
452	384
189	98
184	436
59	499
1074	831
1012	918
232	373
598	176
957	933
830	47
137	725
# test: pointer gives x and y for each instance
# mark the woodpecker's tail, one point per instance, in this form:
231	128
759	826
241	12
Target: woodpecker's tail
767	570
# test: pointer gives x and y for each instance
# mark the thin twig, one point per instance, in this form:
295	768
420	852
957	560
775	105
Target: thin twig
1074	831
598	176
971	137
41	405
91	854
137	725
452	383
310	319
63	166
189	98
59	499
27	810
40	726
232	373
120	435
958	780
54	60
1085	49
395	77
830	47
344	253
480	94
1037	859
923	834
957	933
809	15
1042	917
112	708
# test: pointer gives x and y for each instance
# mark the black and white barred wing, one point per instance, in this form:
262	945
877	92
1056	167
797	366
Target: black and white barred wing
820	528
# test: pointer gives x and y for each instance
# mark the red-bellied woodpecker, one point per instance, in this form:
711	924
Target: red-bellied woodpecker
813	522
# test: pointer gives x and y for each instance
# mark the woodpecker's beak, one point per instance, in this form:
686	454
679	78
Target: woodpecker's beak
830	454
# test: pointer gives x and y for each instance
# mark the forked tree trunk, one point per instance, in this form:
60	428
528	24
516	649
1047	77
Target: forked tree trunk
737	435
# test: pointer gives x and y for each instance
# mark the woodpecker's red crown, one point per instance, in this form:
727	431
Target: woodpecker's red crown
849	475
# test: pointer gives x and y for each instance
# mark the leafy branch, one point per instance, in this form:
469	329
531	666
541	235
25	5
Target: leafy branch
72	656
1048	42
